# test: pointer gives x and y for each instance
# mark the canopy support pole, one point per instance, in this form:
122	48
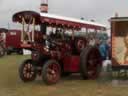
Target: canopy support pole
72	34
87	34
33	30
22	32
95	33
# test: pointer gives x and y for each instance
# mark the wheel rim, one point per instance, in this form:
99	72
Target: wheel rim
93	62
28	70
53	72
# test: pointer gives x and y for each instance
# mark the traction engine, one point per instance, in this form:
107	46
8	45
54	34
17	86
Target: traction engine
56	51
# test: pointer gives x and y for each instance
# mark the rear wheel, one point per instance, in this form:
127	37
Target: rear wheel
91	62
51	72
27	71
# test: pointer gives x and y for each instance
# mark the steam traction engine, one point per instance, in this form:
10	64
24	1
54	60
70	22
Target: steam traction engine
56	50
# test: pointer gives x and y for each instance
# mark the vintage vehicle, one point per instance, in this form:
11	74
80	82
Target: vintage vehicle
13	40
3	33
56	51
119	44
10	41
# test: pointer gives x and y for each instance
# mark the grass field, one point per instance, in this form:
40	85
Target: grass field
11	85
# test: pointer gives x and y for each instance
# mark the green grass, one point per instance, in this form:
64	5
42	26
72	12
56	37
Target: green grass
11	85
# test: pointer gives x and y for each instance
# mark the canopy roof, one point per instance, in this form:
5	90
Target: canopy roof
56	20
119	19
3	30
28	16
68	21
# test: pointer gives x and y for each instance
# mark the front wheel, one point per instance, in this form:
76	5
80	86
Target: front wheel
27	71
51	72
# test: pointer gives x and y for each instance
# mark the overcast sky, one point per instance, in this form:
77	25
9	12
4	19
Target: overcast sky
100	10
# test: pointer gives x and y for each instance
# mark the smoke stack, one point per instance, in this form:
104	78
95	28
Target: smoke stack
44	6
116	14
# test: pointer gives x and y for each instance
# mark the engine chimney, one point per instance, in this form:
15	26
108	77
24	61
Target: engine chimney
116	14
44	6
44	9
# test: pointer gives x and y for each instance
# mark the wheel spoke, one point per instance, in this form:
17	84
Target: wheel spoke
51	72
27	71
27	76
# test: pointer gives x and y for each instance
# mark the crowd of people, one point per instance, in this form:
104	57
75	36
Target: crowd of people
104	47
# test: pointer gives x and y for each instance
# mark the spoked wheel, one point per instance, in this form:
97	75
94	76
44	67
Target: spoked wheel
2	51
51	72
27	71
91	62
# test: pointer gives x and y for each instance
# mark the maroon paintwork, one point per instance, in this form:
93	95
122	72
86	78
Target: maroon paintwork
63	51
71	63
13	38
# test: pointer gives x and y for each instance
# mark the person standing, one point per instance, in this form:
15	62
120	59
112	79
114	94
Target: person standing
104	50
